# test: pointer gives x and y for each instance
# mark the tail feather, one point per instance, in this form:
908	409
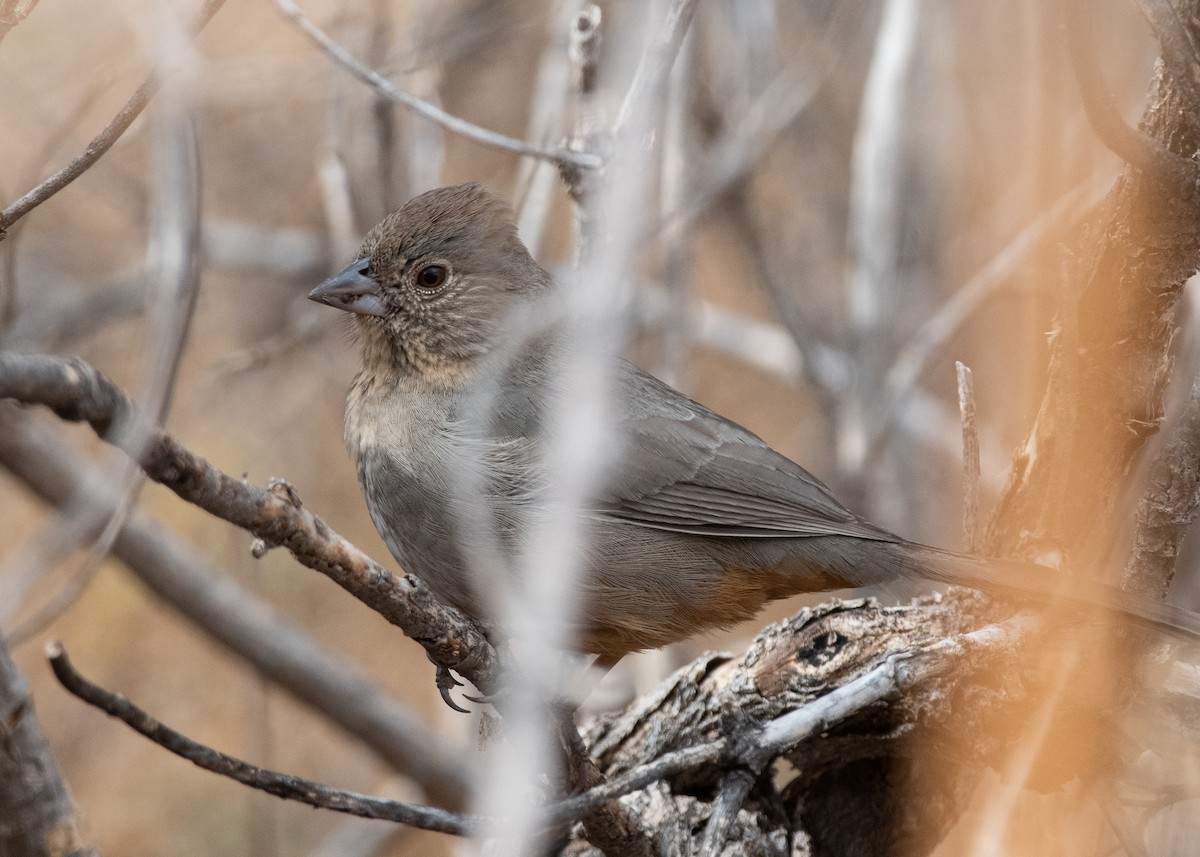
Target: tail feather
1012	578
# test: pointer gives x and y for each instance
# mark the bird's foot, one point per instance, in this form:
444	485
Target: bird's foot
446	682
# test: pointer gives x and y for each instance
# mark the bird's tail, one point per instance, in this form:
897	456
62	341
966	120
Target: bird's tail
1012	579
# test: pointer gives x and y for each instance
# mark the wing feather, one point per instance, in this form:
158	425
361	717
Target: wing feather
687	469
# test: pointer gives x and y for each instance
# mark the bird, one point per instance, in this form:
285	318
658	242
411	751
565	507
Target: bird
697	522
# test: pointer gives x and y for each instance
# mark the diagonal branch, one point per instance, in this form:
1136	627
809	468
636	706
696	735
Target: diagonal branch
452	123
102	142
186	581
77	392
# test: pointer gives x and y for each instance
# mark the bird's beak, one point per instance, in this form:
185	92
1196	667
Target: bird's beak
351	290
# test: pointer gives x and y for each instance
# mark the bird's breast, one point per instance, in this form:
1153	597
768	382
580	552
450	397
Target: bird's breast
405	462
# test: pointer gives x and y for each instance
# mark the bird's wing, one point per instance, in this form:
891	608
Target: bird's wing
687	469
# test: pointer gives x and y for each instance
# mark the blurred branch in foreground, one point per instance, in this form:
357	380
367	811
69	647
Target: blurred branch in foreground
13	12
102	142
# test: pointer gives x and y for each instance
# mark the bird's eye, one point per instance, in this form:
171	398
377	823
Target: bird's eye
431	276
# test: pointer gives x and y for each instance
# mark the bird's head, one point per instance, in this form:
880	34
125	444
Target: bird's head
434	281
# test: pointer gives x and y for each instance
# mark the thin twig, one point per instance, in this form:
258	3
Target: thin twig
825	369
102	142
549	108
674	177
383	117
970	435
336	203
748	135
281	785
61	130
586	124
450	122
584	49
735	787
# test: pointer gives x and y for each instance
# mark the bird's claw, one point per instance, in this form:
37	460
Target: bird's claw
446	682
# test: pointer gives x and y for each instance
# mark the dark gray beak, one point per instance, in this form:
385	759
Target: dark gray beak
351	290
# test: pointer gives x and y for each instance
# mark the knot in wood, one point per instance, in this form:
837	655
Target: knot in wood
284	490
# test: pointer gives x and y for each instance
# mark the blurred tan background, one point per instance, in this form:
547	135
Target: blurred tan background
987	137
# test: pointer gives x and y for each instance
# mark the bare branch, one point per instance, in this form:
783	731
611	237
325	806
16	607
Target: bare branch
548	112
454	124
77	392
1177	175
39	818
177	573
1108	370
102	142
824	368
751	131
888	674
608	825
970	434
175	281
280	785
734	788
585	38
584	48
1169	507
60	131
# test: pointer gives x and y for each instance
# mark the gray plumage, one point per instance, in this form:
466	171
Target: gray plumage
698	522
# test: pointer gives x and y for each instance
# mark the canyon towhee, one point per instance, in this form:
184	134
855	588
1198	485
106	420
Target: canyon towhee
697	523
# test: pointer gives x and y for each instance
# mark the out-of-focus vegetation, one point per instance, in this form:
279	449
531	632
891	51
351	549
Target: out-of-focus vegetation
904	180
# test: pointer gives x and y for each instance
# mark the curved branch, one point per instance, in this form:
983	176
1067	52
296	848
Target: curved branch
1180	53
1178	175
